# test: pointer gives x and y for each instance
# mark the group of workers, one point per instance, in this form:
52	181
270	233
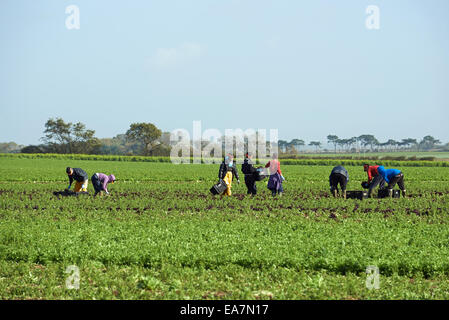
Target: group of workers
99	180
228	171
377	175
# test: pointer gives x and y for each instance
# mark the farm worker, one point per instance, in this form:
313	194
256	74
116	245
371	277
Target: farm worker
276	177
374	178
100	182
392	176
339	175
80	176
249	171
227	172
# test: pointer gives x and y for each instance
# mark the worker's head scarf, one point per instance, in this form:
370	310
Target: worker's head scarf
111	178
228	160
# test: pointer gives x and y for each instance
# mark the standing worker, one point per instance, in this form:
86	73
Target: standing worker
374	178
100	182
227	172
392	176
80	176
249	171
276	177
339	175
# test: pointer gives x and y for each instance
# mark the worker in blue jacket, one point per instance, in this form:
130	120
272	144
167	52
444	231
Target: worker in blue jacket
339	175
392	176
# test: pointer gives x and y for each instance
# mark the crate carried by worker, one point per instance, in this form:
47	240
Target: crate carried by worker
260	174
219	188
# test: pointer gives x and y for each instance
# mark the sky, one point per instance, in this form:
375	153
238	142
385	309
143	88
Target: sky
305	68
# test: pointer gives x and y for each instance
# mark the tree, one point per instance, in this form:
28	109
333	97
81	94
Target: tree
350	142
409	142
390	143
368	140
428	142
146	133
297	143
62	137
282	144
346	143
10	147
317	145
31	149
334	140
341	143
58	135
84	140
393	144
120	145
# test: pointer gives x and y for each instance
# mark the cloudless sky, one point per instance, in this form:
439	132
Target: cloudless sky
306	68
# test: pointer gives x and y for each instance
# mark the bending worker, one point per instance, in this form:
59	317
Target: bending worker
80	176
227	172
392	176
100	182
374	178
339	175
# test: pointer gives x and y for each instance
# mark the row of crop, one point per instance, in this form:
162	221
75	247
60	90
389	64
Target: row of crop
210	242
311	162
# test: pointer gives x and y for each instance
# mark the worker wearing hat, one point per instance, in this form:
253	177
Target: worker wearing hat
100	182
80	176
227	172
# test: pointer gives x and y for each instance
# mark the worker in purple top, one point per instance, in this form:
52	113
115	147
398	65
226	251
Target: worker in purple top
100	182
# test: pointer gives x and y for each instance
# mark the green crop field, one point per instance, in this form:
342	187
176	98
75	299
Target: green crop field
161	235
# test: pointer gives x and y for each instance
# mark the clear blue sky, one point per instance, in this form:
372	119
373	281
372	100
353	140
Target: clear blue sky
306	68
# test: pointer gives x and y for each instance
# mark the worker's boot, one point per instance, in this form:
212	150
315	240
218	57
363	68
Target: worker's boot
403	193
344	194
390	193
335	193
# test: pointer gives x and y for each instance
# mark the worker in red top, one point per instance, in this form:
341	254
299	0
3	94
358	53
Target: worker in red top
374	178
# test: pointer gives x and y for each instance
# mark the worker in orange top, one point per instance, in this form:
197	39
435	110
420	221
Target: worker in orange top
276	177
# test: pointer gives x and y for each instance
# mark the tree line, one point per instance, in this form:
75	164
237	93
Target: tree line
66	137
368	142
362	143
148	140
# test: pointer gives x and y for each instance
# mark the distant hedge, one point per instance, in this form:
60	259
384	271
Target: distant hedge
386	163
310	161
367	158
